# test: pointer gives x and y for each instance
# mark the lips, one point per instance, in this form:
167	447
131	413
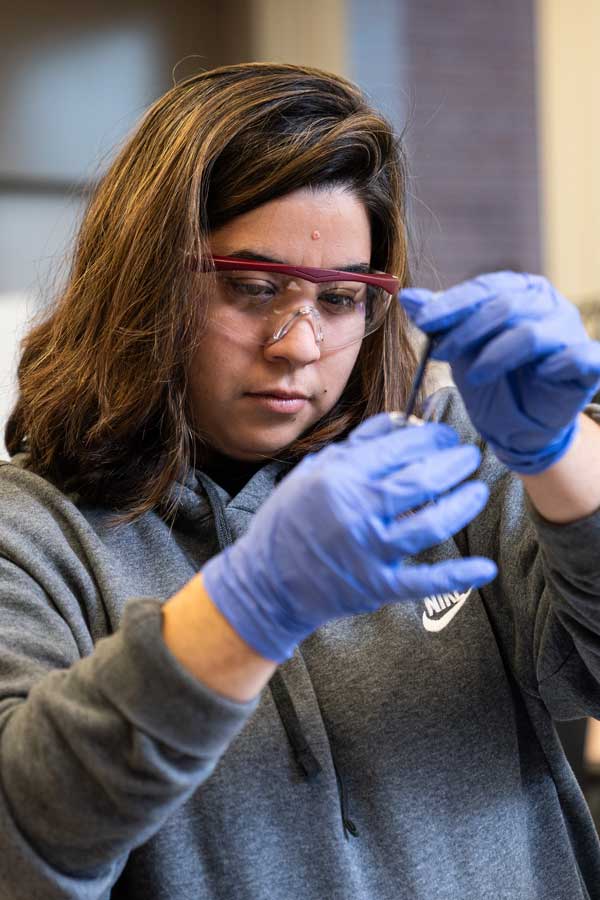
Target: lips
280	395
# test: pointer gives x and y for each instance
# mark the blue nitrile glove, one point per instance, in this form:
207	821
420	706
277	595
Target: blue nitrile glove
329	542
520	357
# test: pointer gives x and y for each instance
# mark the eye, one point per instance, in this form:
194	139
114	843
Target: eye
340	302
339	299
244	288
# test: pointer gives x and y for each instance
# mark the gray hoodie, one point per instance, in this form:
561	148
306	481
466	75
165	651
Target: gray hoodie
407	754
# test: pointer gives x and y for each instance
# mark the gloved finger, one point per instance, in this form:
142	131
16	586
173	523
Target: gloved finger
436	312
427	479
401	446
374	426
529	342
435	523
414	582
500	314
579	364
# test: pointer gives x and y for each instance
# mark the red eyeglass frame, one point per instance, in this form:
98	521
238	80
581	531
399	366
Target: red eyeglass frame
389	283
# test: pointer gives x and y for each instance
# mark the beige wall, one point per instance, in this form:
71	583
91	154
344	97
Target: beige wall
569	87
311	33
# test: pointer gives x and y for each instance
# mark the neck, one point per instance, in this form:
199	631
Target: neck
231	474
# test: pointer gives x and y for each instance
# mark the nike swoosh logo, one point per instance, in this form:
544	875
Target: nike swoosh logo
431	624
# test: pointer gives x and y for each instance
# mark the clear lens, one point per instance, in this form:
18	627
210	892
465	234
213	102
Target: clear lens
254	305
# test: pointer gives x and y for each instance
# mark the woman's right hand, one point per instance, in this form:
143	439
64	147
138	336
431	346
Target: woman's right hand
333	539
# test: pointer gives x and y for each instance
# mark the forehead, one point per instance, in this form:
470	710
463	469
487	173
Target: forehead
284	228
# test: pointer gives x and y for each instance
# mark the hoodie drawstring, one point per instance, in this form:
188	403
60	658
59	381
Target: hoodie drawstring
303	755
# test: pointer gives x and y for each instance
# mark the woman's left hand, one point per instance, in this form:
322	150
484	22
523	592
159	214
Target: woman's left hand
521	358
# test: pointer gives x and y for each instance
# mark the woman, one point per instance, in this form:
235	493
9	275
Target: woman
208	495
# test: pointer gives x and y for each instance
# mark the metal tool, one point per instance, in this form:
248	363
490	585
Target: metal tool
419	375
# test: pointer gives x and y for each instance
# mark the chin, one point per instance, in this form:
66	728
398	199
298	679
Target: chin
255	450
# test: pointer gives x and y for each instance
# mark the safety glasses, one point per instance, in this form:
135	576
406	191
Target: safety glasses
259	302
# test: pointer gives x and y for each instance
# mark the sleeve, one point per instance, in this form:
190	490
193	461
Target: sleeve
96	750
544	605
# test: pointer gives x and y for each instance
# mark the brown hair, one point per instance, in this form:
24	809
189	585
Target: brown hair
103	407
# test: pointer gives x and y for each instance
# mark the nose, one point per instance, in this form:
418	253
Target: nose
298	338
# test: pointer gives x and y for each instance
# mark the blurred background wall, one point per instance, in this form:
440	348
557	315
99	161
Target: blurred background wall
568	86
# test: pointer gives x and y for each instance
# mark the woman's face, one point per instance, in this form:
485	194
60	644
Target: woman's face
326	228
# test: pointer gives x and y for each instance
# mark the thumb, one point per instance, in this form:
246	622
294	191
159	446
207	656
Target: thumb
579	364
414	299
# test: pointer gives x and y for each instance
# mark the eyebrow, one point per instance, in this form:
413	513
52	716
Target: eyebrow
359	268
